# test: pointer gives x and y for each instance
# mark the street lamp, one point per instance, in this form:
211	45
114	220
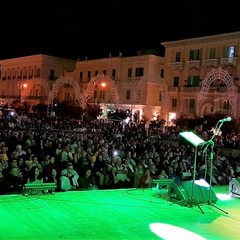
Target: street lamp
103	84
22	87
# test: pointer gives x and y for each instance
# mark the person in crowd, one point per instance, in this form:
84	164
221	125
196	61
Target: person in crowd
65	156
35	175
49	166
77	155
119	172
99	169
19	151
69	178
146	181
4	152
53	177
87	181
137	175
163	175
14	183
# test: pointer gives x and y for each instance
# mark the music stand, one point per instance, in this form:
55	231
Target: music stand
196	142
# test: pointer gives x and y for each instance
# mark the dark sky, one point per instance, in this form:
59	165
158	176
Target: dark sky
95	28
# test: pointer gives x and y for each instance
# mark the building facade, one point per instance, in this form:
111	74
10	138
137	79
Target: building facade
30	78
196	77
202	75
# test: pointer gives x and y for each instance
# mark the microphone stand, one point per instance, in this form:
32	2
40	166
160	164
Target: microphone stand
212	144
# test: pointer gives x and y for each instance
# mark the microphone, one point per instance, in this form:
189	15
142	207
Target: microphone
228	119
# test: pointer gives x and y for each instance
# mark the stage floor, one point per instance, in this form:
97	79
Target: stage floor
117	214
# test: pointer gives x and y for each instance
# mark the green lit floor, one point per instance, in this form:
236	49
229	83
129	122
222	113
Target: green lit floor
117	214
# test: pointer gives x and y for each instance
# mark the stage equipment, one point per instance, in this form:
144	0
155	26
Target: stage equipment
181	192
39	188
234	187
188	199
162	186
211	155
162	183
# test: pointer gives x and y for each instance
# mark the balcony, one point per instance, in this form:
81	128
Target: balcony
194	64
175	66
210	63
190	89
173	89
229	61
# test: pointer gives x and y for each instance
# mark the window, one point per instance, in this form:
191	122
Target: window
162	73
193	81
102	95
113	73
194	55
24	73
81	76
51	74
89	75
226	104
174	103
128	95
178	57
19	74
67	97
4	75
129	72
9	74
192	103
38	73
30	73
104	71
139	72
138	94
212	53
229	51
96	72
160	96
175	81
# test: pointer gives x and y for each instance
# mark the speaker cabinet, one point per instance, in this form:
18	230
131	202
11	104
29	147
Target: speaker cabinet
186	191
234	187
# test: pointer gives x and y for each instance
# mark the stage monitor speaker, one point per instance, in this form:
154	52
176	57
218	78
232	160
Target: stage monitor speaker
162	183
182	192
234	187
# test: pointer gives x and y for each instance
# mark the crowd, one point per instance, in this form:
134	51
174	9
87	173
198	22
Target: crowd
105	155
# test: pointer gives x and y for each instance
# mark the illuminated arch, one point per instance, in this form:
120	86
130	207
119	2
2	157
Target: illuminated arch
223	75
97	80
59	82
30	84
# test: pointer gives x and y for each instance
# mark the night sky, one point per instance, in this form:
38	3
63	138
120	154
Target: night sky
96	28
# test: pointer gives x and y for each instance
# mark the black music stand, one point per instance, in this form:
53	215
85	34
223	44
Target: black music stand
196	142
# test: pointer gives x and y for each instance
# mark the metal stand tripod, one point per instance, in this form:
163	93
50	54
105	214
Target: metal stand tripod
211	143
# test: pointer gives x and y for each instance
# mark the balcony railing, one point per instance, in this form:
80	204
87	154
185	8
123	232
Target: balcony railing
173	89
229	61
194	64
176	65
190	89
210	63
